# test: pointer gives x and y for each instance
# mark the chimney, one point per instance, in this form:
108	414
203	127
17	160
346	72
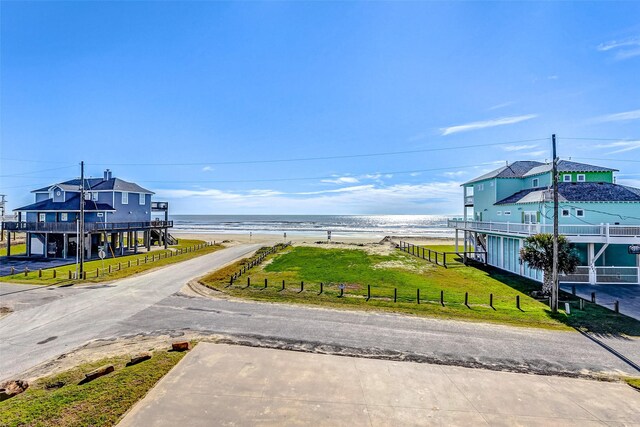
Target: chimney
107	175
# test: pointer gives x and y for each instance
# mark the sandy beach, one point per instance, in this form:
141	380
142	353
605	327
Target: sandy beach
368	241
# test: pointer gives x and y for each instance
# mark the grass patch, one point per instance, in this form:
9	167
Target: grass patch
633	382
357	269
137	265
19	249
58	400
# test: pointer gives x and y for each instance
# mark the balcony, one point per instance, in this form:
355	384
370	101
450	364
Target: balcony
603	275
468	201
576	233
89	227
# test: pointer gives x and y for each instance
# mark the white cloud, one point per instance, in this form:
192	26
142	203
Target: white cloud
617	117
615	44
519	147
498	106
624	49
415	174
433	198
620	146
342	180
455	174
502	121
207	169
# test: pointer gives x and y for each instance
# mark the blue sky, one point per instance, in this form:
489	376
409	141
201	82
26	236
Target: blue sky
168	94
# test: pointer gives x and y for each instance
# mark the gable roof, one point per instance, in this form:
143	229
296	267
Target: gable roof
521	169
514	170
71	205
568	166
578	192
97	184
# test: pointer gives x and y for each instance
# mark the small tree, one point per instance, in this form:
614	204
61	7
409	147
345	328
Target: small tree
538	253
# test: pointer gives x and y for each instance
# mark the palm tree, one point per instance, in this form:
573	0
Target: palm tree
538	253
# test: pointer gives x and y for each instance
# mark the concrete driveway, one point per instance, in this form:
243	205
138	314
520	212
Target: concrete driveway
245	386
607	295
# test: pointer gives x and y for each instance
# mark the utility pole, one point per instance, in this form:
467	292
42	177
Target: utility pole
81	236
2	203
554	288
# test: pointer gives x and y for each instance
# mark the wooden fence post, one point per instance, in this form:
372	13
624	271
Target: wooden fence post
442	298
518	302
466	299
395	294
418	295
368	292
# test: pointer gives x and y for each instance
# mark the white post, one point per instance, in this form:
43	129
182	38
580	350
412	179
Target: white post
590	260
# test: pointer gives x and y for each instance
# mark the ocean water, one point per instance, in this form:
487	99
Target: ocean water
316	225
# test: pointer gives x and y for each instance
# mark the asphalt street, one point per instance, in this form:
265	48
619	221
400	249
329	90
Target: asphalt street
49	323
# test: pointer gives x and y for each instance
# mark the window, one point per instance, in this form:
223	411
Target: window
581	177
507	212
580	212
63	216
125	198
94	196
491	184
565	212
535	182
499	213
566	178
42	217
480	187
142	199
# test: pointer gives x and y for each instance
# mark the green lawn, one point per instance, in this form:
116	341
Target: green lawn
59	400
19	249
120	267
357	269
634	382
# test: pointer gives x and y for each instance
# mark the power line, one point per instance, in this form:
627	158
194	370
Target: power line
599	139
316	177
345	156
38	171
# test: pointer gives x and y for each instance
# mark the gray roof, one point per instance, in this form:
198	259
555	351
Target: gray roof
71	205
521	169
568	166
514	170
583	192
98	184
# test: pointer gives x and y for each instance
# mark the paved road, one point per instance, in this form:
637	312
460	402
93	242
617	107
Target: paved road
385	335
606	295
150	304
240	386
57	320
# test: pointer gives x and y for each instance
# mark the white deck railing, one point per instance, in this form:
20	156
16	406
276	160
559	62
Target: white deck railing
602	230
604	275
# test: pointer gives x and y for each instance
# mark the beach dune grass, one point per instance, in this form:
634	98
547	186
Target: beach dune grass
404	273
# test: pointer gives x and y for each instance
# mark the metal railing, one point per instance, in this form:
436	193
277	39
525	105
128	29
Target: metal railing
89	227
604	275
603	230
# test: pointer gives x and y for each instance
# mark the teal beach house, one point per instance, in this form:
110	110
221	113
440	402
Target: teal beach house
601	218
